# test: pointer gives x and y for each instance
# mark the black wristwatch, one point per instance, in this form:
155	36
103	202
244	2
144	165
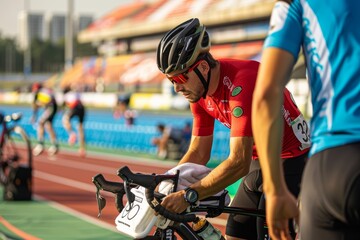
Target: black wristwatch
191	196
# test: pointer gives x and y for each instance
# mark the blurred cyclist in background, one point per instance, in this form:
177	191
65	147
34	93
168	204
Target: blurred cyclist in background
74	108
44	98
122	109
174	135
329	35
222	90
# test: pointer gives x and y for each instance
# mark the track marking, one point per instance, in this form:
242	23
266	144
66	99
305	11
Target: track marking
104	156
65	181
17	231
83	166
78	214
52	158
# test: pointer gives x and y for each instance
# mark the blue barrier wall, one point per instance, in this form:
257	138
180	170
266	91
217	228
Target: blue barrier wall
103	131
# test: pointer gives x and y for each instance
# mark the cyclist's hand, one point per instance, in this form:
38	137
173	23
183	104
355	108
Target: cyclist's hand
175	202
279	209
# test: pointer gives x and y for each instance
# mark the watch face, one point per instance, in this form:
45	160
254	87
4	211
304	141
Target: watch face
191	196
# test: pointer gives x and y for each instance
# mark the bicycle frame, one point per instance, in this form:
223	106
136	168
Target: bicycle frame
3	133
6	129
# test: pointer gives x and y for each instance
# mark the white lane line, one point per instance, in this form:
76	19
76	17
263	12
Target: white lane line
108	156
85	166
64	181
78	214
82	166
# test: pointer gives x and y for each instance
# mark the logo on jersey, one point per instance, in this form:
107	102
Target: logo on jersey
209	106
236	91
286	115
237	112
227	82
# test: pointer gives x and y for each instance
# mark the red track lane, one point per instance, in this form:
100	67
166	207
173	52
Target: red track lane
66	179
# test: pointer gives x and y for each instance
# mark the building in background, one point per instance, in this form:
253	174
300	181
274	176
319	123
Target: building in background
82	22
47	26
35	23
56	26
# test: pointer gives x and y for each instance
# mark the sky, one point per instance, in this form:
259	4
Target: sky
9	10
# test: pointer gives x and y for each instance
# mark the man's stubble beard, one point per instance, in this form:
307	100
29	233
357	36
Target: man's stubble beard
197	97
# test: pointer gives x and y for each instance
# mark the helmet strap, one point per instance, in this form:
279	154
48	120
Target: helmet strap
202	79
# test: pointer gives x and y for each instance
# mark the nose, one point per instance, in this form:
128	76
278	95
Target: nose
178	87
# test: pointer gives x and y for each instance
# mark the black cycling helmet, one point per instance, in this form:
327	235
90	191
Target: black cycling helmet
181	46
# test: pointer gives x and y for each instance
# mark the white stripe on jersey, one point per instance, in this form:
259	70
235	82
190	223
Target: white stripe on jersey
317	55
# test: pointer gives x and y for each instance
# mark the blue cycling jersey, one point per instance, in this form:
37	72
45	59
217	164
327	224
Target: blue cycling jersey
333	63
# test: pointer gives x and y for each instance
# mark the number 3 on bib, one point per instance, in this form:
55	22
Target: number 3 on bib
301	131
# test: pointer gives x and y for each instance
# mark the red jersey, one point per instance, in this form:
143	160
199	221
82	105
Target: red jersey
231	105
72	99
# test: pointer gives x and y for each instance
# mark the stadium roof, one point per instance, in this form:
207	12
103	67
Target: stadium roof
141	18
141	68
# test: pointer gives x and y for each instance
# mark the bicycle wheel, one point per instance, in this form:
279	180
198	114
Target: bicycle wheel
17	146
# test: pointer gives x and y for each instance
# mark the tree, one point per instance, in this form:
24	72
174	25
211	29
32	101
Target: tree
45	55
11	59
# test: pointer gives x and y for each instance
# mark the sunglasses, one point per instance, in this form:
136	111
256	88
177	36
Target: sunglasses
182	78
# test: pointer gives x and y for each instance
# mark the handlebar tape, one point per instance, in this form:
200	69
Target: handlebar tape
146	181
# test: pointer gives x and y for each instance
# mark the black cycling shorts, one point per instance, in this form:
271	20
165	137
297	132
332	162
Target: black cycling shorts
250	195
330	194
48	114
77	111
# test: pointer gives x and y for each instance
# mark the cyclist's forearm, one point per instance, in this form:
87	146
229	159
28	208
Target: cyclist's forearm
271	164
199	150
220	177
195	156
268	123
268	148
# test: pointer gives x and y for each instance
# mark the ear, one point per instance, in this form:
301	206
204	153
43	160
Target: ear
204	66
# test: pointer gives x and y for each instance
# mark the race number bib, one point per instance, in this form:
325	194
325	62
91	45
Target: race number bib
301	130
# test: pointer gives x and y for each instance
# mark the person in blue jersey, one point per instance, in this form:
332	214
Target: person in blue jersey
329	35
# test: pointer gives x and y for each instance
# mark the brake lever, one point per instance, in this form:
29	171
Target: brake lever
101	201
129	195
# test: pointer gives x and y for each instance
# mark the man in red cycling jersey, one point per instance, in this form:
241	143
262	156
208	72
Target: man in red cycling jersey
222	90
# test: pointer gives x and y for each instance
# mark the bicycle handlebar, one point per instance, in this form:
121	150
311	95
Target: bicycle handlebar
113	187
149	182
102	183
